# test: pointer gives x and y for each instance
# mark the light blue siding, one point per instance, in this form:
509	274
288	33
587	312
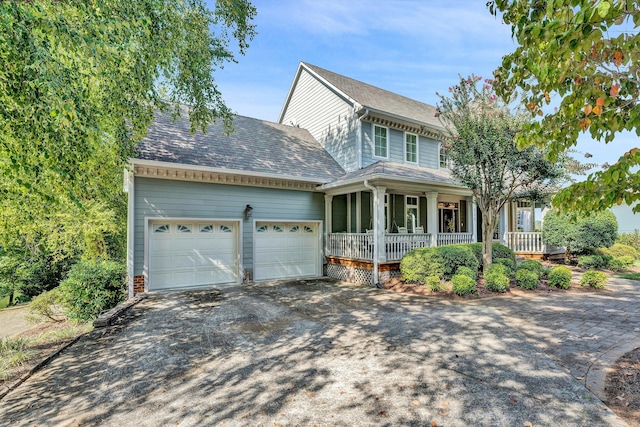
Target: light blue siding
175	199
428	156
327	116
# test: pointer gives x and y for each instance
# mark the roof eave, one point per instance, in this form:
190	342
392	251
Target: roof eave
379	176
373	111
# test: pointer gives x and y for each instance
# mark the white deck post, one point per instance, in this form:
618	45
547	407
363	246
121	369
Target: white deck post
504	225
474	220
328	212
432	216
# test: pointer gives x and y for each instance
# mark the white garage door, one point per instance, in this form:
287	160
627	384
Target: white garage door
192	253
284	250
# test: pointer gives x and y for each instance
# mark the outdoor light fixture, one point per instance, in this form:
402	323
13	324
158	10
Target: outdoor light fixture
248	212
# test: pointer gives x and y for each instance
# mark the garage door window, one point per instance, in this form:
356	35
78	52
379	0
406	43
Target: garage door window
208	228
277	229
164	228
294	229
226	229
308	229
262	229
184	228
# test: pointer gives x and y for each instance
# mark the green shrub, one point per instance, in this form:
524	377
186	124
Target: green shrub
93	287
497	268
466	271
420	264
463	285
591	262
532	265
560	277
456	256
48	306
595	279
496	282
621	263
497	251
619	250
507	262
441	261
434	283
527	279
630	239
582	235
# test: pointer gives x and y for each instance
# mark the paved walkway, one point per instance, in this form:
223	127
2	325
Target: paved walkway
305	353
584	332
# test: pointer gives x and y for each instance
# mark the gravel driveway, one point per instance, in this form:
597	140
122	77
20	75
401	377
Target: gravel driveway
305	353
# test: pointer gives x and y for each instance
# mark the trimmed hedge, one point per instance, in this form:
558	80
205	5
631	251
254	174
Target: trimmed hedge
619	250
91	288
497	268
434	284
595	279
532	265
560	277
507	262
468	272
593	262
496	282
440	261
527	279
463	285
621	263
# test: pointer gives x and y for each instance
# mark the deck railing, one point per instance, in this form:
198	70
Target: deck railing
399	244
351	245
525	242
454	238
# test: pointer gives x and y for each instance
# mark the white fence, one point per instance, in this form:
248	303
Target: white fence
527	242
399	244
454	238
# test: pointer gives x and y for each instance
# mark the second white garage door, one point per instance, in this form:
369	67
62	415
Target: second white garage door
286	250
187	253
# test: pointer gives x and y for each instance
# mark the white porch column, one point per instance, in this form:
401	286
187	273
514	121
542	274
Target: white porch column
378	223
471	218
504	226
328	214
432	216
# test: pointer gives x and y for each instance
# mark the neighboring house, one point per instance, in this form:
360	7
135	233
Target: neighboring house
351	179
628	222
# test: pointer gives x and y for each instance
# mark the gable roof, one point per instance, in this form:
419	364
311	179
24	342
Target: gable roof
375	98
256	146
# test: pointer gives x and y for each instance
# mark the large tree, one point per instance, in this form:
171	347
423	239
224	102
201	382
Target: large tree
484	155
584	55
80	82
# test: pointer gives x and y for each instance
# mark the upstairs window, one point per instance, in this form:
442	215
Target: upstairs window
445	160
411	148
380	142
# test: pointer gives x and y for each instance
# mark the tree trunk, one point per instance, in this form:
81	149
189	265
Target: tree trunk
10	299
488	225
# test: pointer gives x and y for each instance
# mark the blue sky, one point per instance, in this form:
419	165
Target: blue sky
412	47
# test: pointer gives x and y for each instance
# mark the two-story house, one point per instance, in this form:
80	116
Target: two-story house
350	179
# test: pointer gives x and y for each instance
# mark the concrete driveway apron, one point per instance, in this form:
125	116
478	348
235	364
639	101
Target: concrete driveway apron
305	353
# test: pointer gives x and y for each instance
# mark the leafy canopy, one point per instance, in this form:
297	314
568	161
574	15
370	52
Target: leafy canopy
586	53
80	82
583	234
481	131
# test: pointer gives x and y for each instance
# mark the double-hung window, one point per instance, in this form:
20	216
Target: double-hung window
445	159
410	148
380	142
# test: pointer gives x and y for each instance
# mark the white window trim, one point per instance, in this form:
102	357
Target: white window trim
405	148
373	140
440	145
406	207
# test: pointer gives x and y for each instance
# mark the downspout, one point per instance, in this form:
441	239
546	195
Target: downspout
359	138
376	278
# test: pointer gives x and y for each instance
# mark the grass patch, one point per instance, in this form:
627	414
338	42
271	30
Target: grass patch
62	334
629	276
4	302
13	352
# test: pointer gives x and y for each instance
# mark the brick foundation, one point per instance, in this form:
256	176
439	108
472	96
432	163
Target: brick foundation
138	284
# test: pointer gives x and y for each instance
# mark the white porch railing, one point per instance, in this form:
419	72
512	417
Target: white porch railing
454	238
399	244
529	242
351	245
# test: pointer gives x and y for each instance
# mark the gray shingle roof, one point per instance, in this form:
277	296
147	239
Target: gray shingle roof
380	99
398	171
255	146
